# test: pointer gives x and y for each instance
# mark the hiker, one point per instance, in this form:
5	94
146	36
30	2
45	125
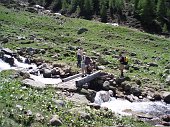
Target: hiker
123	61
103	96
79	56
83	65
88	64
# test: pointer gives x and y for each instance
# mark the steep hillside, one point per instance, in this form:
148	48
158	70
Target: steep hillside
57	37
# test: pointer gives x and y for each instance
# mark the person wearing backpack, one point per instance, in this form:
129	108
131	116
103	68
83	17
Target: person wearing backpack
83	65
123	61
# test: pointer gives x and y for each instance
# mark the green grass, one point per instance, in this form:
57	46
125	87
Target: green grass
58	35
13	95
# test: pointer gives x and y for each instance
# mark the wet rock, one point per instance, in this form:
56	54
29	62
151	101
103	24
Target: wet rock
47	73
136	91
119	80
157	97
106	85
7	51
33	84
166	97
9	60
55	121
55	71
93	105
82	30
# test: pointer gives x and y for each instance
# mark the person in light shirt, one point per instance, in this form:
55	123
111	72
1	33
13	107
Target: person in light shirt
79	56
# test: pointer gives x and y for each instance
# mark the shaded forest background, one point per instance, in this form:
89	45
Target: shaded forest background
150	15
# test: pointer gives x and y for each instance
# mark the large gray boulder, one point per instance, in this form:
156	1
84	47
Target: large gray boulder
33	84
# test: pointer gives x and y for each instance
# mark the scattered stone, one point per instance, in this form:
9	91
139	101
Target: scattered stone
39	117
167	66
101	67
4	40
168	80
152	64
59	103
82	30
93	105
24	74
133	54
55	121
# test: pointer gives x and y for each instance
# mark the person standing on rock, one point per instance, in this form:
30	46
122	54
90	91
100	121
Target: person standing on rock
79	56
121	67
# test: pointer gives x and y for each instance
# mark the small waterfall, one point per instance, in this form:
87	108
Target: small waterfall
4	66
29	68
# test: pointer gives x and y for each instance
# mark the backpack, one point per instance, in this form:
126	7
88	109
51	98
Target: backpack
124	60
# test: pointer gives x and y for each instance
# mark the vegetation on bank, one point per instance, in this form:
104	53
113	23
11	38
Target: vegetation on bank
59	35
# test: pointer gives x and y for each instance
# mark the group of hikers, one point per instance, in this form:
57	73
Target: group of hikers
84	62
87	65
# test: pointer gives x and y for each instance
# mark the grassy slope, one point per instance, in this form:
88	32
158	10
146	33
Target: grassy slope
59	36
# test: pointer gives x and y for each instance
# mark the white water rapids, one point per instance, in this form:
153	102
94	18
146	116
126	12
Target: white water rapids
28	67
124	107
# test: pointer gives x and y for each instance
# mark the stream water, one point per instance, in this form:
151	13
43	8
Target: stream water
119	106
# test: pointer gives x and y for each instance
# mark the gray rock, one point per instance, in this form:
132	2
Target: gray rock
133	54
106	85
136	91
39	117
24	74
168	80
59	103
94	105
33	84
101	67
47	73
166	97
82	30
55	121
152	64
167	66
5	40
78	98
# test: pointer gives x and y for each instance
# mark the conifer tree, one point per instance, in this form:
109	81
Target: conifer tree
103	10
88	7
147	10
161	9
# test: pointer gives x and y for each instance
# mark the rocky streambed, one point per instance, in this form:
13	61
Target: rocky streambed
148	103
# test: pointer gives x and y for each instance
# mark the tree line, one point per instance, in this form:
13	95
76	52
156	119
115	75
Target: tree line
147	11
